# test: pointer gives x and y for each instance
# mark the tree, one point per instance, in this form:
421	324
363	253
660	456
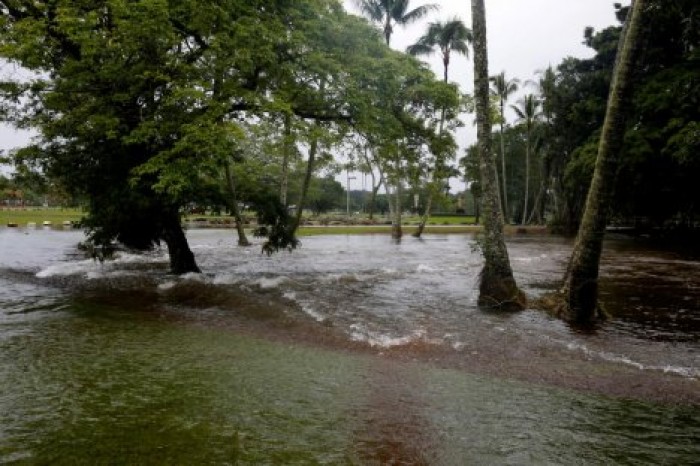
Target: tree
447	37
502	88
391	12
139	106
581	281
528	111
497	288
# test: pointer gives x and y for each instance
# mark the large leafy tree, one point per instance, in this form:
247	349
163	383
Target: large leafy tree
497	288
138	103
389	13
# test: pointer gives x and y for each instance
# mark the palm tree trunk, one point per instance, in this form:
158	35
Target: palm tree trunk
581	281
233	205
539	208
497	288
527	176
506	215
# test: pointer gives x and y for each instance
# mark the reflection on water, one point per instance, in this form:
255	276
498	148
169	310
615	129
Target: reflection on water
351	350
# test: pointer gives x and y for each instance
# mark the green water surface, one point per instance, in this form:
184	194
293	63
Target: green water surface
86	384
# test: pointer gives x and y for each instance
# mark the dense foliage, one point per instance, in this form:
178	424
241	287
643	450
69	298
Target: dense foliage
659	162
142	104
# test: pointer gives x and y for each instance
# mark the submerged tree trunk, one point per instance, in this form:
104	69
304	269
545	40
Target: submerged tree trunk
396	231
581	281
233	205
497	288
426	214
181	257
436	179
375	185
310	166
286	155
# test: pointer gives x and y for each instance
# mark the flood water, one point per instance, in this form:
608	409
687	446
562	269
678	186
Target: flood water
350	350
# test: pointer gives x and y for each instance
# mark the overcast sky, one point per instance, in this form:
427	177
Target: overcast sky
523	36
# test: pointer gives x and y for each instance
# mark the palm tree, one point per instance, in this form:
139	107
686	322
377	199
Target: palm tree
528	111
448	37
503	88
497	288
391	12
546	88
581	281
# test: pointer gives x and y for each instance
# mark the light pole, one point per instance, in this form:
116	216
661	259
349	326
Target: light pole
347	202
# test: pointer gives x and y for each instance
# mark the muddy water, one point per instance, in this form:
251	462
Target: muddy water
351	350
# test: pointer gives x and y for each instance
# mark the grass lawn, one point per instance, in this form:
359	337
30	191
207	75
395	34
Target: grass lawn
441	225
38	215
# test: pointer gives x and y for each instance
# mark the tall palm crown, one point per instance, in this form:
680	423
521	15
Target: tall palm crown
528	110
503	87
547	87
391	12
449	36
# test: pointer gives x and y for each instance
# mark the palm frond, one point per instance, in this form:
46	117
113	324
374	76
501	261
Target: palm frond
371	9
519	112
420	48
407	17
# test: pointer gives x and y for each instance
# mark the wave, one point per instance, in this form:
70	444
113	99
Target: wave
684	371
86	266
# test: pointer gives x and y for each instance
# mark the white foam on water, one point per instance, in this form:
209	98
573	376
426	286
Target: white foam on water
226	279
317	316
131	258
360	333
269	283
425	268
167	285
106	273
194	277
530	258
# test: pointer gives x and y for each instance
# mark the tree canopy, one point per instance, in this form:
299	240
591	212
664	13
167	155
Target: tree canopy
140	104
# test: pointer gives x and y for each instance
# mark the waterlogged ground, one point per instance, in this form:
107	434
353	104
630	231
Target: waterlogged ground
351	350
